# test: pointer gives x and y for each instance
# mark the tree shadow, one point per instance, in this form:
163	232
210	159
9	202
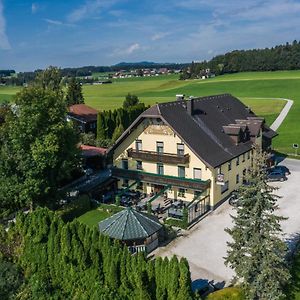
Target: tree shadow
279	157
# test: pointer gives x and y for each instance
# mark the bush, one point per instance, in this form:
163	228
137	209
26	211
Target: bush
10	279
75	209
118	200
176	222
232	293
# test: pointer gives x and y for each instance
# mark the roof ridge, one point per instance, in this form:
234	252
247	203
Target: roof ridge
145	231
127	215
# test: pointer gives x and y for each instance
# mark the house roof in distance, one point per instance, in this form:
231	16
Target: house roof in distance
129	224
83	111
91	151
200	124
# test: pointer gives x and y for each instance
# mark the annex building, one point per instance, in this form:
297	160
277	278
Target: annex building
196	150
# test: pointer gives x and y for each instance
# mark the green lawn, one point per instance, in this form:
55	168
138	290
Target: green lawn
93	217
7	93
231	293
247	86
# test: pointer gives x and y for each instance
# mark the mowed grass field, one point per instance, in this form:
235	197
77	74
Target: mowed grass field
259	90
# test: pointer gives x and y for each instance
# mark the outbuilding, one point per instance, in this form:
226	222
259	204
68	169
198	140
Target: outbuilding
139	231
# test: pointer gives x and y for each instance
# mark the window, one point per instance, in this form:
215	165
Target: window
229	165
219	170
237	160
139	165
138	145
181	193
125	182
180	149
248	154
197	173
160	169
237	178
244	175
160	147
243	157
181	171
225	187
124	164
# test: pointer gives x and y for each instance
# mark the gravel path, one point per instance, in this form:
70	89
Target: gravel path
282	114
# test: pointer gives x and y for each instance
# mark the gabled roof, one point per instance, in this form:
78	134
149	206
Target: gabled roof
129	224
83	112
203	130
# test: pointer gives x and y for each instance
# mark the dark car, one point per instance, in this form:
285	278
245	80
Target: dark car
283	169
276	175
203	287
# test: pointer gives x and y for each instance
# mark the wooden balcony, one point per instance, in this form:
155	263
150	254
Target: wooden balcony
168	158
195	184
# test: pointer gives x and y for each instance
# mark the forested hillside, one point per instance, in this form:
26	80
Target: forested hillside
282	57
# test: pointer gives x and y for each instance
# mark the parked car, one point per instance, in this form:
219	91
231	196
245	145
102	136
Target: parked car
203	287
276	175
283	169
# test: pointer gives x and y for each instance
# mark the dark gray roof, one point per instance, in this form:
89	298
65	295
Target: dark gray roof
203	130
129	224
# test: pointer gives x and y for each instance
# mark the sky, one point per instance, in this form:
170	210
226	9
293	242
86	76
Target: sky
74	33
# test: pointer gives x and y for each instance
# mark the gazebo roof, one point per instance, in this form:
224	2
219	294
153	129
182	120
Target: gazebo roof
129	224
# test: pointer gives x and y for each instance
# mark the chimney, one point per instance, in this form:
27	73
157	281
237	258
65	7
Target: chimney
190	106
179	97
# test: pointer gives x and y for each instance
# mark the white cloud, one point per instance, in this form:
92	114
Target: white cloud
120	52
90	8
159	36
54	22
4	43
132	48
34	8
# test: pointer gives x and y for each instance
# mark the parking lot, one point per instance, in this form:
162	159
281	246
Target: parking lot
205	244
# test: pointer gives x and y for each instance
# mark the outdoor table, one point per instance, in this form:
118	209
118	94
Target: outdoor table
176	213
177	204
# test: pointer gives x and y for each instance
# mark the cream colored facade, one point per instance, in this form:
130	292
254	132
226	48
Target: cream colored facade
149	132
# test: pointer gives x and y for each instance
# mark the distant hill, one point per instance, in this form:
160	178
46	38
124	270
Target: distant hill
148	64
281	57
141	63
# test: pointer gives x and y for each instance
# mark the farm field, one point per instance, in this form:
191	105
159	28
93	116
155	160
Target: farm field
253	88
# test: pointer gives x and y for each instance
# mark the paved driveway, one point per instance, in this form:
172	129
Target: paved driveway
205	244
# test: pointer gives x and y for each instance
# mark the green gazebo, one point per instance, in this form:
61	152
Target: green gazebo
137	230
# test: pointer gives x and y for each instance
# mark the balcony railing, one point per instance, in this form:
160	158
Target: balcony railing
187	183
152	156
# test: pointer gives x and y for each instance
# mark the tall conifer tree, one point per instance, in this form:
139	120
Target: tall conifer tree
257	251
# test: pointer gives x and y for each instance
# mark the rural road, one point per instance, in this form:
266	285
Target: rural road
282	114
